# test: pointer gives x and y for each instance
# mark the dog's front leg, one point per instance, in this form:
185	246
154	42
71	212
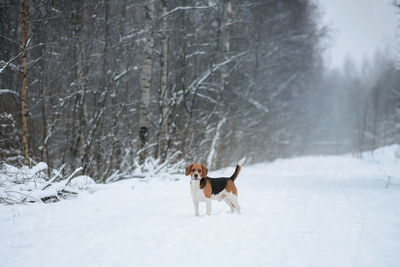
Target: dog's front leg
196	207
208	203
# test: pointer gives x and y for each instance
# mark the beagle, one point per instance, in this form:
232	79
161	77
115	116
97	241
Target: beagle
205	189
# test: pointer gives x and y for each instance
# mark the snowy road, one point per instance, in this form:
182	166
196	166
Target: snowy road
314	211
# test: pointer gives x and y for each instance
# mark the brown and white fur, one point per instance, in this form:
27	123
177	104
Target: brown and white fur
205	189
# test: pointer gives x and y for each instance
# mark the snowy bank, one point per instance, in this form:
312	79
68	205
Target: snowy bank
28	185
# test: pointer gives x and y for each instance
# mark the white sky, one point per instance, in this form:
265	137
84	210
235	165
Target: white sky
359	27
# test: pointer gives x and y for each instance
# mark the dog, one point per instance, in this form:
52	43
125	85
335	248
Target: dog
205	189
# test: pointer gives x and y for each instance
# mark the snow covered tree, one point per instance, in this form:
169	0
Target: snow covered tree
230	78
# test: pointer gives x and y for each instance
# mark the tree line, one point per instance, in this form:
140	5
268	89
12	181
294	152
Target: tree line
112	85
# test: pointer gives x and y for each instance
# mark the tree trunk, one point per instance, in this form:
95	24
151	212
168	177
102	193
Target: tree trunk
45	149
145	83
211	162
79	111
226	48
226	45
397	4
180	80
164	94
24	99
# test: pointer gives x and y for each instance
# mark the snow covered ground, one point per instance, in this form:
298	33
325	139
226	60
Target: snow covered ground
311	211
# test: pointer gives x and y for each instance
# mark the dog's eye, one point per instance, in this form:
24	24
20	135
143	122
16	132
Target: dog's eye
193	170
199	170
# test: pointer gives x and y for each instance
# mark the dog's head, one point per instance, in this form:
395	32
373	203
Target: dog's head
196	171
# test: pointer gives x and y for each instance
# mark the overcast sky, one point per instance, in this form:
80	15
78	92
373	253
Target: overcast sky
358	28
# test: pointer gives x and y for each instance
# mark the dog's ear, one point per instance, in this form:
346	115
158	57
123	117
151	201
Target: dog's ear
204	171
188	168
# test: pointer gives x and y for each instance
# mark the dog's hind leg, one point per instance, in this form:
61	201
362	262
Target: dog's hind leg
228	201
237	205
234	200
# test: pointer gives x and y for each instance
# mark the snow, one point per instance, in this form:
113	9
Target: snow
82	182
22	185
13	175
41	166
309	211
7	91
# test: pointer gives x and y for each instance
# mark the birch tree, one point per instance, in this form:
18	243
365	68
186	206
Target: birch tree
164	93
145	81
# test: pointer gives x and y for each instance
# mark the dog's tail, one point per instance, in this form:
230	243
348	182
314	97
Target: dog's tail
238	168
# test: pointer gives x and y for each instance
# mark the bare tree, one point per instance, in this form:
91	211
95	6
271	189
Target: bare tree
24	99
396	3
145	81
226	49
164	93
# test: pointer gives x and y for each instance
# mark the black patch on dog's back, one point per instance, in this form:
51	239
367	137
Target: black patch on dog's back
217	184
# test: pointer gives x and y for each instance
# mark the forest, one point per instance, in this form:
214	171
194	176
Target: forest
120	86
199	133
